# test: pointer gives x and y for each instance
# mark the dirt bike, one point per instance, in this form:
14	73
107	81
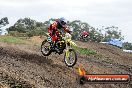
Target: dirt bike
83	38
64	44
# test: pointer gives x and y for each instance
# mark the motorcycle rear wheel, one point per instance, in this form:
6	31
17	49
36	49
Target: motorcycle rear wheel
46	48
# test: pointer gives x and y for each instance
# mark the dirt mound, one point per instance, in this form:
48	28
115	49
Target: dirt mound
24	65
37	39
33	68
109	53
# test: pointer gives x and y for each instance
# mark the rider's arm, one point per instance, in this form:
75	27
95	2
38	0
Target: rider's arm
66	28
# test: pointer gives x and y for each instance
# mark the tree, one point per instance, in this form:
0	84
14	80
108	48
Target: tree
4	21
112	32
25	25
32	28
127	46
78	27
95	35
29	26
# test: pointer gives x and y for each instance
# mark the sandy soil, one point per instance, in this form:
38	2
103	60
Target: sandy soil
26	67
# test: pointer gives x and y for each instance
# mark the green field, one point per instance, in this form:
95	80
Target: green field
17	40
85	51
11	39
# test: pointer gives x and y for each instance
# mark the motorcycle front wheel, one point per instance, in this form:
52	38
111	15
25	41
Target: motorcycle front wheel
45	48
70	57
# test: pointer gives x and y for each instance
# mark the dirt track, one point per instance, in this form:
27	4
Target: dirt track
25	65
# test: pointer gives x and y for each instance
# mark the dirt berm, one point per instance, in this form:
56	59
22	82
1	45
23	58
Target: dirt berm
23	66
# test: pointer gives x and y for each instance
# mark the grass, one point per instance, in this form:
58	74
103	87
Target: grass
11	39
84	51
16	40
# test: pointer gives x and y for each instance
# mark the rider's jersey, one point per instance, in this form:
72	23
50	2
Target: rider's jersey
53	30
84	33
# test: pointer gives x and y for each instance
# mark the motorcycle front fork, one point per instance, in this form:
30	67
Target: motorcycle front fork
67	51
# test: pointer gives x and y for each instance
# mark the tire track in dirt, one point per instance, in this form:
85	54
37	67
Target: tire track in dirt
56	73
41	72
105	63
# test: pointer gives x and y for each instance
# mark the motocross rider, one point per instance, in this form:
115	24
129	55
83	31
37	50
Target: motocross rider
55	28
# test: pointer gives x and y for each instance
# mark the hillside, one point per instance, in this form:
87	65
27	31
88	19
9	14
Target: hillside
24	65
